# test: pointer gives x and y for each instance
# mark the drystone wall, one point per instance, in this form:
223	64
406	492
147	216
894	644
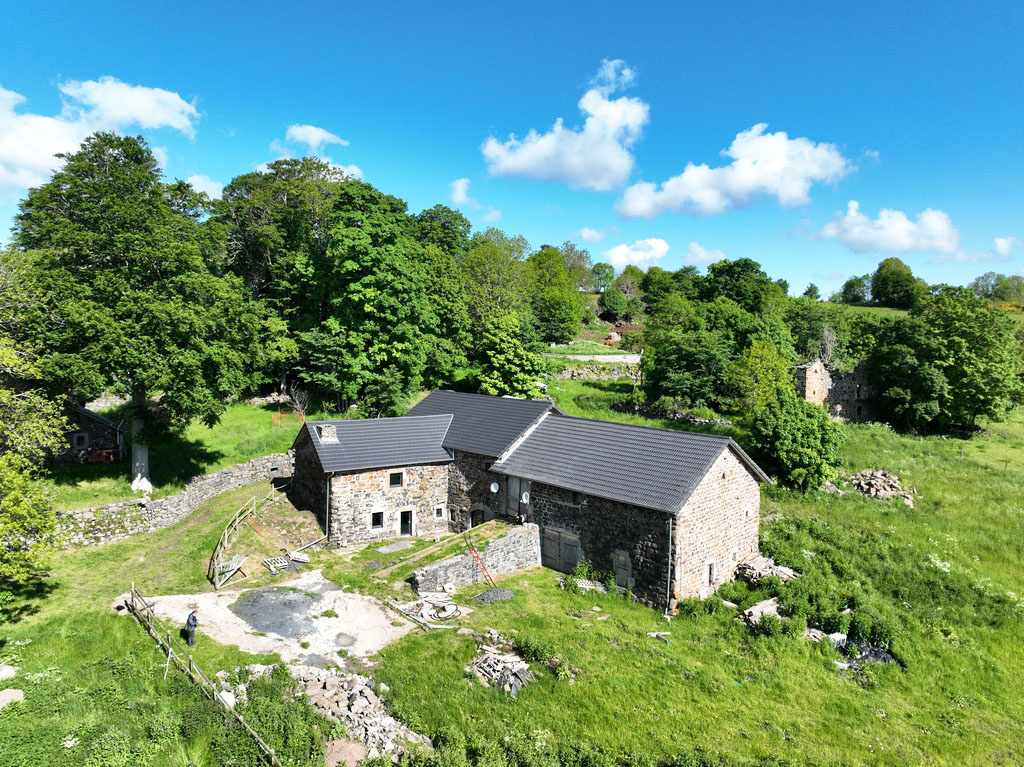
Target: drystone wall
469	487
115	521
598	371
517	550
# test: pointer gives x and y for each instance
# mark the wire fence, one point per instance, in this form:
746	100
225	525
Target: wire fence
182	660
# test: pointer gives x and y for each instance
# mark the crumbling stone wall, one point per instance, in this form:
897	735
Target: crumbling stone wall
469	487
851	396
115	521
518	549
357	496
717	526
813	381
100	436
606	527
597	372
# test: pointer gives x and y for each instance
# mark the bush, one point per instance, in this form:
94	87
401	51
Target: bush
860	627
794	626
832	623
768	626
884	633
692	607
632	341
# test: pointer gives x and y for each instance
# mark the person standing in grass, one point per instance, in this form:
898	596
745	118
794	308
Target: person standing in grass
190	628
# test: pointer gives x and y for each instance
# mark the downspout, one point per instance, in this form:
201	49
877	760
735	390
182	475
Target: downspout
327	511
668	580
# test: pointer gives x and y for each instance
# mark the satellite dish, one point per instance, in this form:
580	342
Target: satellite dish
525	498
494	487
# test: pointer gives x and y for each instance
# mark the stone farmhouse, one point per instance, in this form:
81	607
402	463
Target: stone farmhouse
90	438
671	513
848	396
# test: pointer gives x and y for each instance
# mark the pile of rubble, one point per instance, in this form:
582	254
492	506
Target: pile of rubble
341	697
500	666
753	614
877	483
431	606
754	568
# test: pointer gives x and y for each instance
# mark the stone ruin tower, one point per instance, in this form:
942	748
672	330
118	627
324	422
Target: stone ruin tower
848	396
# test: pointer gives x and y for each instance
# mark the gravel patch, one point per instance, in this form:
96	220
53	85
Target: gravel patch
494	595
391	548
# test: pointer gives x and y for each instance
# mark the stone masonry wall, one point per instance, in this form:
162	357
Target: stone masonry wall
101	437
308	488
605	527
517	550
719	523
115	521
356	496
813	382
851	396
469	483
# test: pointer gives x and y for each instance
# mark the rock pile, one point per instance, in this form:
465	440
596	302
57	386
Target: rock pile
753	614
881	484
500	666
494	595
346	698
758	566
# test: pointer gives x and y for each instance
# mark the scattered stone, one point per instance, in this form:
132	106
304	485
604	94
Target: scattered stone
730	605
758	566
500	666
10	696
8	672
229	698
753	615
70	741
494	595
595	609
830	488
881	484
465	631
815	635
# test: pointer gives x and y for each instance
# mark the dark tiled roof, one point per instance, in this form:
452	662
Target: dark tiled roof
378	443
482	424
96	417
653	468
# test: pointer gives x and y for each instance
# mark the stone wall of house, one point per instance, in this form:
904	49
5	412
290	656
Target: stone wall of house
469	488
612	536
115	521
99	436
851	396
813	381
357	496
518	549
718	524
308	488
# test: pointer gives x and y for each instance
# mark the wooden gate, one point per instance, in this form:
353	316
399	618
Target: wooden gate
560	549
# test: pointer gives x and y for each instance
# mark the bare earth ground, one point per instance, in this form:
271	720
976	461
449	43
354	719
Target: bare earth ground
280	618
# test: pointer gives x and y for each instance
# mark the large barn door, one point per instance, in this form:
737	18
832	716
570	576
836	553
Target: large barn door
560	549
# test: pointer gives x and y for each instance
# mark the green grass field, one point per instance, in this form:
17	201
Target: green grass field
584	347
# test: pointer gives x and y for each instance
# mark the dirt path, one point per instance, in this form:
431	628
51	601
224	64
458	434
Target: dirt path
280	618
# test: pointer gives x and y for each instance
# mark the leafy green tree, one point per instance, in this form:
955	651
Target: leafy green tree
657	284
688	282
613	303
445	228
796	441
755	375
131	304
507	366
893	284
556	302
807	320
629	282
855	290
446	318
578	265
634	309
906	369
981	358
742	281
604	275
999	287
812	292
687	364
496	280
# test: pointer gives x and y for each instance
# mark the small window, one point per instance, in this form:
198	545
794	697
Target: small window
439	512
858	409
395	479
711	574
451	514
80	440
377	520
576	499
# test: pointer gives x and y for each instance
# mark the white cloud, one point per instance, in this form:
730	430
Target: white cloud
28	142
698	254
161	155
203	183
592	235
353	171
642	253
594	157
458	193
893	231
491	215
1002	250
313	137
769	164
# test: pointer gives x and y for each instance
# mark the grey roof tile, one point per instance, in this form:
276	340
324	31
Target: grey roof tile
653	468
482	424
378	443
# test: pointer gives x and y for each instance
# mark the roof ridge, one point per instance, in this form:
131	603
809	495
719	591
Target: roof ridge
661	429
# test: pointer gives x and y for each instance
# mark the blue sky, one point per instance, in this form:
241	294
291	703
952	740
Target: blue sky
814	138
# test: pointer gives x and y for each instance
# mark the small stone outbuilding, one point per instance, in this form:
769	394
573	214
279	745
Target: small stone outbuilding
848	396
90	438
671	513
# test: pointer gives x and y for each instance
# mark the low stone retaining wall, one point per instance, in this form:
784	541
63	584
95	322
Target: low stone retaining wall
598	371
115	521
517	550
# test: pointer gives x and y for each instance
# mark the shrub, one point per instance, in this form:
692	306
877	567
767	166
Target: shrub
794	626
884	633
768	626
860	627
833	622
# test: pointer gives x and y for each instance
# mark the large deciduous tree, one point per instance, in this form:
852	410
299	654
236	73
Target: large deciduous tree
893	284
555	298
507	366
131	302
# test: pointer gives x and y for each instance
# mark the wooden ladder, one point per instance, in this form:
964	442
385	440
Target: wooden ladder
479	560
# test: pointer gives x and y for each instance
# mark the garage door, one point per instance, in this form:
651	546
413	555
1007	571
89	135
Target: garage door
560	549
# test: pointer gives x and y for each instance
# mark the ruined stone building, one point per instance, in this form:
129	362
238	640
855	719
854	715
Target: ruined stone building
670	512
848	396
89	438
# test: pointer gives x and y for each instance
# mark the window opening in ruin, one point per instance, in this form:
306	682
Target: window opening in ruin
80	441
711	573
858	409
405	523
439	512
576	499
395	479
377	520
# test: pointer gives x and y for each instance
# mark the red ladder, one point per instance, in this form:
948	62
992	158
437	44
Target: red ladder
479	560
